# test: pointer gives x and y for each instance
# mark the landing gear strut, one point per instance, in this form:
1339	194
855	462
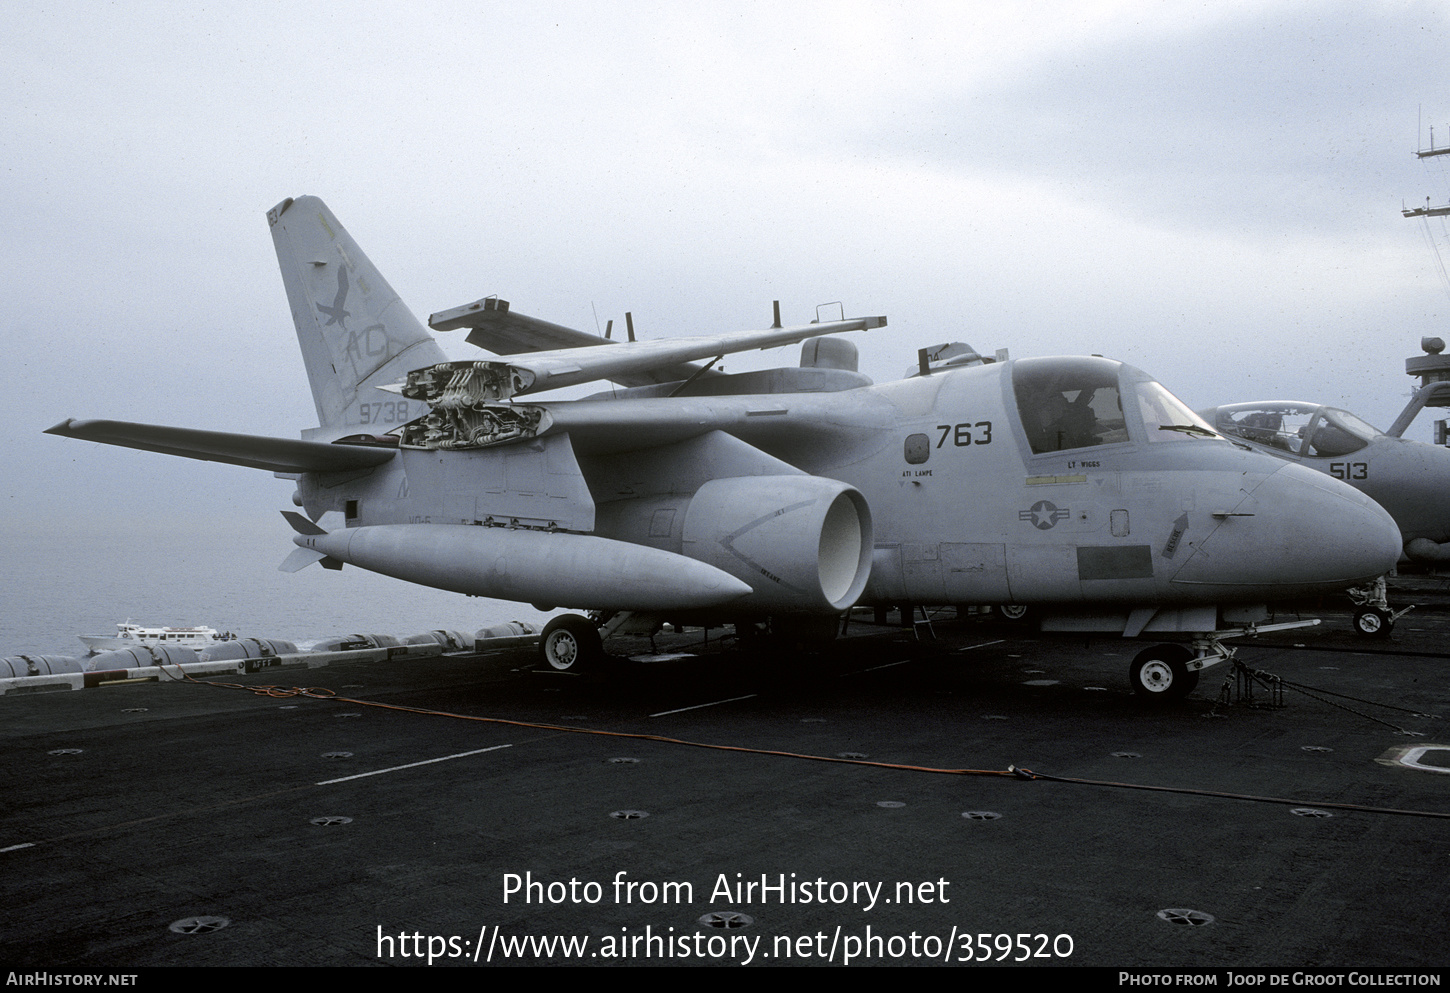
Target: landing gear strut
1170	672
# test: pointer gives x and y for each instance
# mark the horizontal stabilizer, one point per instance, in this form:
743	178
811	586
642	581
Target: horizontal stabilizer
254	451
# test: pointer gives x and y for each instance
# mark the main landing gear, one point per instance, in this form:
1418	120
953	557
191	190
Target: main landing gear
1016	613
571	643
1165	673
1162	673
575	643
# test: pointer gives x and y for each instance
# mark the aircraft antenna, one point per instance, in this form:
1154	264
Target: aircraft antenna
1435	251
1429	210
596	317
629	323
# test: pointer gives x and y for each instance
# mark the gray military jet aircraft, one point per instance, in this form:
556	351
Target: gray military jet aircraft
791	495
1410	479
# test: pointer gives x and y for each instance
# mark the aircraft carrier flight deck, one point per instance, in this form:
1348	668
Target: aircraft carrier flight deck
909	797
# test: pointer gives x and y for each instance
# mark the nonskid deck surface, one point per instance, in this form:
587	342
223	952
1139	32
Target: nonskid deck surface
188	802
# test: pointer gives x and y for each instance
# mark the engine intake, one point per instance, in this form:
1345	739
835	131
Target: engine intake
802	543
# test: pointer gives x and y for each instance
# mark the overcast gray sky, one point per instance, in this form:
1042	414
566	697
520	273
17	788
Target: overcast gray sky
1210	191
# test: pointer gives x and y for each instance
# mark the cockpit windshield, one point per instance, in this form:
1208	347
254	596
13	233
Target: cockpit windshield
1297	428
1166	418
1070	403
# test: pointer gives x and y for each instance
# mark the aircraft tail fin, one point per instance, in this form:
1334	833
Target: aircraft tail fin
356	335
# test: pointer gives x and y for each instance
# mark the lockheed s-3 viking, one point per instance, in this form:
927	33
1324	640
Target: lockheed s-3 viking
1078	485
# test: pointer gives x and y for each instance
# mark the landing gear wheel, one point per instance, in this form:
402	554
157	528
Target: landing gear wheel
571	643
1373	622
1016	613
1161	673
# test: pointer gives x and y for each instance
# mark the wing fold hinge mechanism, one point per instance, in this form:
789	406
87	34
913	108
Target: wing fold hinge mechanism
466	409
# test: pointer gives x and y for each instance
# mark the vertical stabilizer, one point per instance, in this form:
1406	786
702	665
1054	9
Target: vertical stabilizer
356	335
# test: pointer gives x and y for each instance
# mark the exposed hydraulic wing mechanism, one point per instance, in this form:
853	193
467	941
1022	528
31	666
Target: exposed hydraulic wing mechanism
470	403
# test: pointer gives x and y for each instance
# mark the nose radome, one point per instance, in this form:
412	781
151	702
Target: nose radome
1360	537
1299	531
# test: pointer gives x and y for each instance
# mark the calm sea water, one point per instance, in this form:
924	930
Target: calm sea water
59	583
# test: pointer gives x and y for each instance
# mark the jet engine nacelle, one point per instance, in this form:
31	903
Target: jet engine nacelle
802	543
1428	550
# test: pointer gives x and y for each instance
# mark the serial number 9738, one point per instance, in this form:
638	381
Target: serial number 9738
383	412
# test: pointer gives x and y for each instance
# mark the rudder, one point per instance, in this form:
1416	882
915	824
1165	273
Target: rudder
355	334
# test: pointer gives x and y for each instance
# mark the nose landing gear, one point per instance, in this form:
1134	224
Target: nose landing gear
1162	673
1373	617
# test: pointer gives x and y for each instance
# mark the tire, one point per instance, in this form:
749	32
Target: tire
571	643
1161	673
1014	613
1373	622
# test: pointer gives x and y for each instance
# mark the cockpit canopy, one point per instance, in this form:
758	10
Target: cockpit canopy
1310	429
1069	403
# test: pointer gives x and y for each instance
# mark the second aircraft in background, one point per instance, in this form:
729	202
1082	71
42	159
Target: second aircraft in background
1410	479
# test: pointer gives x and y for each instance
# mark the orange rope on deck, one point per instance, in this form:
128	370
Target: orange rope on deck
1012	772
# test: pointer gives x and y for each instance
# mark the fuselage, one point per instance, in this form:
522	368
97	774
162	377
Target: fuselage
1055	481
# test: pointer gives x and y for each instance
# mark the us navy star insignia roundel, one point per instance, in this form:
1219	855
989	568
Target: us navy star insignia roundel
1044	514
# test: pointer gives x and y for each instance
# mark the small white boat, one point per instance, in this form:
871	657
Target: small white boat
130	635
